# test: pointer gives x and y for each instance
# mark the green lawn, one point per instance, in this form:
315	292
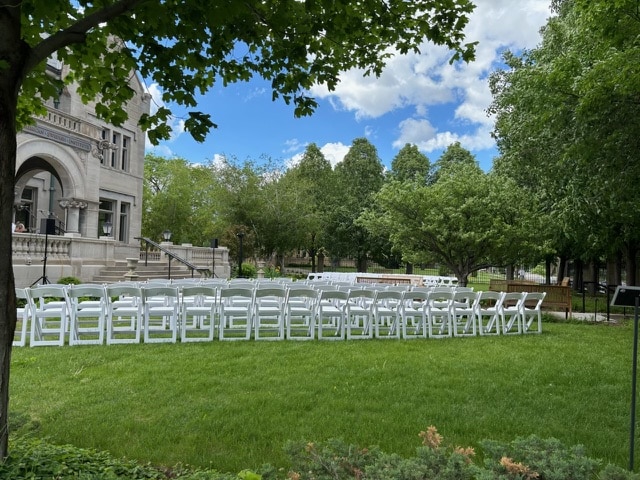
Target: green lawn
234	405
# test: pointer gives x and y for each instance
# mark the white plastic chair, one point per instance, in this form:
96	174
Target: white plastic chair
488	312
88	315
124	313
160	306
463	313
198	305
532	312
269	312
511	313
235	313
331	314
359	314
23	313
413	313
49	305
439	312
386	314
300	307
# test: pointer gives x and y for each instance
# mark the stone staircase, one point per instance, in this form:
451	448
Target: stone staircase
116	273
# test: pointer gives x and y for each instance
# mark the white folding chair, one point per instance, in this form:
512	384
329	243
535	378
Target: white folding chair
160	306
49	306
359	314
23	312
331	314
386	314
488	312
88	315
300	307
269	312
511	313
198	305
413	313
235	313
463	313
124	313
532	312
439	312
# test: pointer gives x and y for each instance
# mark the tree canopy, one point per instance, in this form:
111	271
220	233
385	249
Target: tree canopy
568	127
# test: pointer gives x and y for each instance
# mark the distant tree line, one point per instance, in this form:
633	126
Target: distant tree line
449	212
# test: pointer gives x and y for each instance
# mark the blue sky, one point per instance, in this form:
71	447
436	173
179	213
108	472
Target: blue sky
419	99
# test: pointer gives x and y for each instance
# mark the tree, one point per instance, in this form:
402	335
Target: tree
568	130
358	178
410	164
467	220
314	178
177	197
186	48
454	156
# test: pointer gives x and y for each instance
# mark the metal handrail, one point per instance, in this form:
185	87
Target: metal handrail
202	270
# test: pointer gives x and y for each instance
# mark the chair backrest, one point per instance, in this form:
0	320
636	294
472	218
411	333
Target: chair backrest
121	291
534	300
269	294
166	291
199	293
512	300
228	294
87	290
489	299
303	292
464	298
53	291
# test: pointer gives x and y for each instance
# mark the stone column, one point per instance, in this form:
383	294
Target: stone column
73	207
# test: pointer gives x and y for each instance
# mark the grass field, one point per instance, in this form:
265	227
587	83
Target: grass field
234	405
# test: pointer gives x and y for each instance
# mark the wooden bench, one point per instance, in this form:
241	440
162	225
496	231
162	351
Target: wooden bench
558	297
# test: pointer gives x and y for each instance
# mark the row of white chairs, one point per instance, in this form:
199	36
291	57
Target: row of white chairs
131	313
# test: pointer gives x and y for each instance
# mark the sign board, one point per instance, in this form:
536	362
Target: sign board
625	296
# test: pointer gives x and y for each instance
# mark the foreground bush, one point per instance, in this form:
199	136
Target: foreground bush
523	459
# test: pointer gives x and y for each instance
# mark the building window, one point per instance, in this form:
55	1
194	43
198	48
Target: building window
123	230
115	139
27	209
126	142
105	214
105	136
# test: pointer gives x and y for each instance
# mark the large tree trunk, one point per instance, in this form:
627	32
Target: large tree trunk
8	102
362	264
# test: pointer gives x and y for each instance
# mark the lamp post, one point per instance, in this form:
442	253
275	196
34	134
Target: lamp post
240	236
107	228
166	235
214	245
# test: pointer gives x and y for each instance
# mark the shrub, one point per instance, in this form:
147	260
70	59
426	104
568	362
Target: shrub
38	459
69	281
248	270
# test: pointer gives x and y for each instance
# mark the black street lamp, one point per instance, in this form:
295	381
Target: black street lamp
166	235
240	236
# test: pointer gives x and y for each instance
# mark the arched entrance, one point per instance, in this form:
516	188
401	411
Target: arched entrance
47	187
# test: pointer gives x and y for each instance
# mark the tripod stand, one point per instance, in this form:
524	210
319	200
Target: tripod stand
49	224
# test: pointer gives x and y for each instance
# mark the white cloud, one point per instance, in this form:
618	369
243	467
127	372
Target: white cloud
176	124
418	82
334	152
293	145
161	150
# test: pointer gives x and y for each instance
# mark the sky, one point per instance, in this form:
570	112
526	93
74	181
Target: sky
419	99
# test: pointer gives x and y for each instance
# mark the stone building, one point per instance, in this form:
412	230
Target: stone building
79	172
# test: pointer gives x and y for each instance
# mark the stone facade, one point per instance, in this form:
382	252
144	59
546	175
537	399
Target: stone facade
83	174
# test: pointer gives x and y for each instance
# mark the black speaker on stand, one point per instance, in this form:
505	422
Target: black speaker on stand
48	227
